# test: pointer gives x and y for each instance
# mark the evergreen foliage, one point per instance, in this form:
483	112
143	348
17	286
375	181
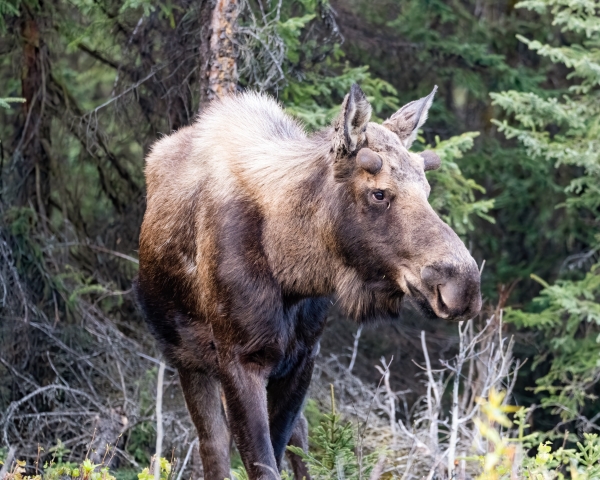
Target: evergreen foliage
5	102
565	131
335	451
454	196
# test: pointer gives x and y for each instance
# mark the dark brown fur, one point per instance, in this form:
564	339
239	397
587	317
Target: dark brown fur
252	228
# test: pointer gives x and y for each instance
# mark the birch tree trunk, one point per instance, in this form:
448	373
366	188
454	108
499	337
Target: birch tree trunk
218	76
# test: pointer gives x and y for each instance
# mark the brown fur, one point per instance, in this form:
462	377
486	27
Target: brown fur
253	228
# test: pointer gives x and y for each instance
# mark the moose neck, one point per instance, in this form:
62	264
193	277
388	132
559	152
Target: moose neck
299	239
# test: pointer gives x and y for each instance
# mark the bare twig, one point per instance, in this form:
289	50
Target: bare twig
7	462
454	413
354	348
378	469
159	420
187	458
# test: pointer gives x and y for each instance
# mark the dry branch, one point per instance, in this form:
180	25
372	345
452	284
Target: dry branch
437	428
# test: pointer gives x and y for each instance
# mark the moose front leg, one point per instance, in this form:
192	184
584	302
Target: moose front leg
285	397
246	398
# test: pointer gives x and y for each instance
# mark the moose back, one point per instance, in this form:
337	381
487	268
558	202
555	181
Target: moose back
253	226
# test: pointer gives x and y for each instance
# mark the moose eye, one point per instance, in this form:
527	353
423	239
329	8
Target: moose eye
378	195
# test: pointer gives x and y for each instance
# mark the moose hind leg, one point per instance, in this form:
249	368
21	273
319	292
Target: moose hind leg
299	439
203	398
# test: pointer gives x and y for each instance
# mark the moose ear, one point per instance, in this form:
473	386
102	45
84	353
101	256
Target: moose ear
406	122
350	126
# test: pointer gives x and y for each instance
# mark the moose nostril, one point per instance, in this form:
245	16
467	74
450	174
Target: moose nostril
442	307
450	294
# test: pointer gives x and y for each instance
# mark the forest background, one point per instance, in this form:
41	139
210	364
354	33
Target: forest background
86	86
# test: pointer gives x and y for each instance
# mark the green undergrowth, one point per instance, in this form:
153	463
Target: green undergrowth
56	469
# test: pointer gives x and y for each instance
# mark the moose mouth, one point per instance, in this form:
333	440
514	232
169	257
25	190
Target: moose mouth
429	306
420	301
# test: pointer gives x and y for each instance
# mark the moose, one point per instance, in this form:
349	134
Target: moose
253	226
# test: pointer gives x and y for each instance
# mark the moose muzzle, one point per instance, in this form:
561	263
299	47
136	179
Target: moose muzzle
452	291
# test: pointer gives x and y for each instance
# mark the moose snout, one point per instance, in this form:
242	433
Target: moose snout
453	291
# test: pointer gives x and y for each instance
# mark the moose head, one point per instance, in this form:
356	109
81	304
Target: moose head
387	231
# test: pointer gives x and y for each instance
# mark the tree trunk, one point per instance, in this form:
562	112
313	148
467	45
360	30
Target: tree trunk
218	73
32	147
